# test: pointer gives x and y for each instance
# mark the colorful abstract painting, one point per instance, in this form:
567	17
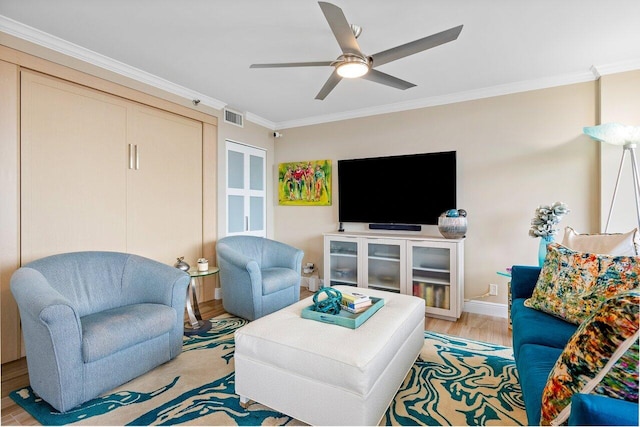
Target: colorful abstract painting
305	183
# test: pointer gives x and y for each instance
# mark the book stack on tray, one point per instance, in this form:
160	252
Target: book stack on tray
355	302
346	318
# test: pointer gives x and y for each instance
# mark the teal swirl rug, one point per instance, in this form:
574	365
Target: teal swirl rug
454	382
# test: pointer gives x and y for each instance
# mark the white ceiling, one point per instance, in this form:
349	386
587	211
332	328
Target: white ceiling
207	46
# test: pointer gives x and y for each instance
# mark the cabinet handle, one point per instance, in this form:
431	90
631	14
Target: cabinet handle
246	223
130	156
137	157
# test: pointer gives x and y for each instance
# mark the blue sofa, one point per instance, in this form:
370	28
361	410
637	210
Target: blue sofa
538	341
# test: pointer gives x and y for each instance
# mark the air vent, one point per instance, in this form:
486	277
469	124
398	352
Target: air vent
233	117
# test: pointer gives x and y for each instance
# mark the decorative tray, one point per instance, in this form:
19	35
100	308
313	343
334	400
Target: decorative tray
344	318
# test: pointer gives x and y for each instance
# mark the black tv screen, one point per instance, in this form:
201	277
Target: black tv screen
408	189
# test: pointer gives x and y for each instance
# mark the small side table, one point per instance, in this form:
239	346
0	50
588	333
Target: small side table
507	273
196	324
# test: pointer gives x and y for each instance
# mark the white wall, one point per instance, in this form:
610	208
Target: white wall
515	152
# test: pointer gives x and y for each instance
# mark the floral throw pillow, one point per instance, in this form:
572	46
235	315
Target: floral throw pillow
573	284
600	358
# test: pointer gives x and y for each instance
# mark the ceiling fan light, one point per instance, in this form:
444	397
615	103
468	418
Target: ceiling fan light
352	68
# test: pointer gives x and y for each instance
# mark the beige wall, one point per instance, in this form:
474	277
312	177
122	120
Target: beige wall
620	103
515	152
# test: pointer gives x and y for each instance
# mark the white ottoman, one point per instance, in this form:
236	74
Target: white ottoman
325	374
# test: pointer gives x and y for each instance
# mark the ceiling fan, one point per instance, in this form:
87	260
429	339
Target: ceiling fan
353	63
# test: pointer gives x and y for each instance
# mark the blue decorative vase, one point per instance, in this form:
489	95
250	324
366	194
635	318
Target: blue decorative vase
542	249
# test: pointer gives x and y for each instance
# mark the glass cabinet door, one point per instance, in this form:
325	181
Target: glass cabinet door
343	262
432	277
384	271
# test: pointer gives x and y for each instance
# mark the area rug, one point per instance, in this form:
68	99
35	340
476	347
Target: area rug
454	382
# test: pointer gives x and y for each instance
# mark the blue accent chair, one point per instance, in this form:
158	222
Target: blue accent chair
92	321
257	275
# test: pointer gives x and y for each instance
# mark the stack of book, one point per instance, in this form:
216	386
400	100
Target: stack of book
355	302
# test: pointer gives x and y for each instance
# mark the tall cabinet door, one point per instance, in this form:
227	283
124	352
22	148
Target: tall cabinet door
164	193
245	190
73	168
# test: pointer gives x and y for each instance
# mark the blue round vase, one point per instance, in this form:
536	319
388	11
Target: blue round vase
542	249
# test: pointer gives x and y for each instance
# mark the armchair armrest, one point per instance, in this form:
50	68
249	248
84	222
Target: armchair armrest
238	267
52	334
523	280
596	410
146	280
278	254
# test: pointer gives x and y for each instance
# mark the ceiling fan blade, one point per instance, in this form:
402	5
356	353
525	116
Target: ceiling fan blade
386	79
416	46
333	80
341	28
292	64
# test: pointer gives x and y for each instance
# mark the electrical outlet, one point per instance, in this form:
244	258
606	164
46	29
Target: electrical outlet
493	289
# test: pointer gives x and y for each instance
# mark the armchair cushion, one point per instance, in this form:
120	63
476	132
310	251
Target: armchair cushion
110	331
277	278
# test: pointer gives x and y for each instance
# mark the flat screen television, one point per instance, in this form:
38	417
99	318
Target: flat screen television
408	189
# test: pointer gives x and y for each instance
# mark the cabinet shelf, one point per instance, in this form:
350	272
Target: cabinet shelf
380	258
382	287
431	280
432	270
344	254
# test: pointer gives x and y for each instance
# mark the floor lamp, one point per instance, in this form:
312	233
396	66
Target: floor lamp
628	137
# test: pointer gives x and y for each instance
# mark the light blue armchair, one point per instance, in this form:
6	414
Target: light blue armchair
258	276
92	321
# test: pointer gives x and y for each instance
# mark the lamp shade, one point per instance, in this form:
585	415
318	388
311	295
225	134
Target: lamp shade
614	133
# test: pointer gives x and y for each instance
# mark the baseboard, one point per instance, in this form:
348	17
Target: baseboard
486	308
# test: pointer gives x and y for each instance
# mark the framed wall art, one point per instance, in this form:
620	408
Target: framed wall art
305	183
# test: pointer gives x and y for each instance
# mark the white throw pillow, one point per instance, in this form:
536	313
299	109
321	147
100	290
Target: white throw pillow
617	244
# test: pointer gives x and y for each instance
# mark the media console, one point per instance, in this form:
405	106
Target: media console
428	267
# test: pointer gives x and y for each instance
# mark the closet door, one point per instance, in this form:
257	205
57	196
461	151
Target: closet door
73	168
164	193
246	190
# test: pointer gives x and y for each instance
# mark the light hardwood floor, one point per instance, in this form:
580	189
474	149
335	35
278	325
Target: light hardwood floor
472	326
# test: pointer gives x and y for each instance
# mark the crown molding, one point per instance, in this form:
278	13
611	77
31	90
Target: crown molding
618	67
33	35
56	44
260	121
471	95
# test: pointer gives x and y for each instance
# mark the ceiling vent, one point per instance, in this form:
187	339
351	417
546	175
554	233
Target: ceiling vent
233	117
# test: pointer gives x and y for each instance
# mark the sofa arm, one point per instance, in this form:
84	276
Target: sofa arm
596	410
523	280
